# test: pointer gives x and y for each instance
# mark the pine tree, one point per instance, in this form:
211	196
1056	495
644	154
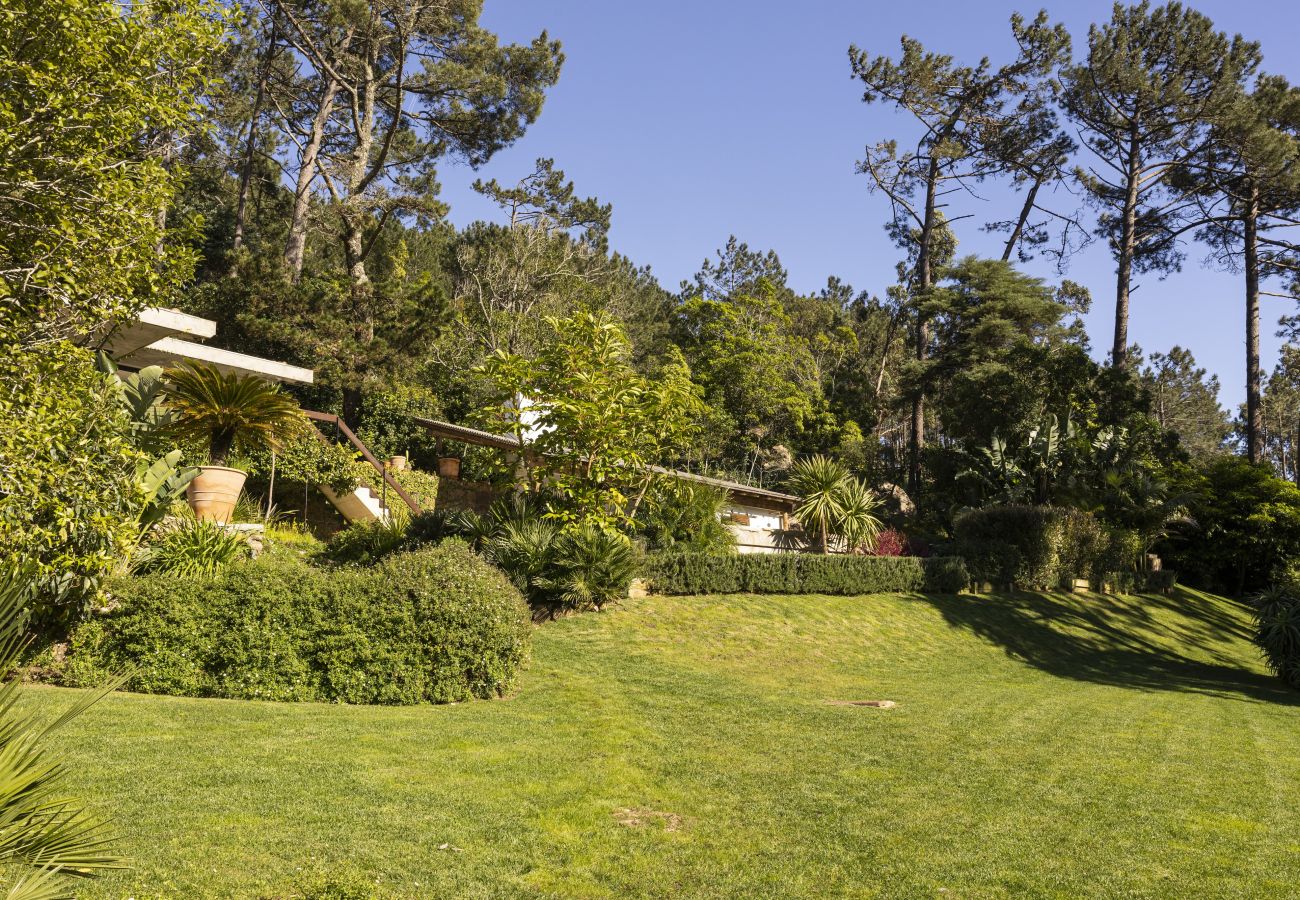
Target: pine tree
1144	98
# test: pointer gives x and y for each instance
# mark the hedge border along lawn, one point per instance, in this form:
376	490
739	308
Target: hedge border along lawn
803	573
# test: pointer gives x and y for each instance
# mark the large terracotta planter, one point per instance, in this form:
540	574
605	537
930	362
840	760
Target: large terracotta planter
213	493
449	467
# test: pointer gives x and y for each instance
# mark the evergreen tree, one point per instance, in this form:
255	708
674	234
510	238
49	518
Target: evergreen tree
1144	98
1185	399
961	111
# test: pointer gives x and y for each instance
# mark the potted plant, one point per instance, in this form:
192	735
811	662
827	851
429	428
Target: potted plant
226	411
449	466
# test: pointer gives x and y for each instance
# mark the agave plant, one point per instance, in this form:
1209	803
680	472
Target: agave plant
46	839
227	410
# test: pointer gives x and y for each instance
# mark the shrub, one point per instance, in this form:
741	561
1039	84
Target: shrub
192	548
591	568
685	517
803	573
366	543
432	625
1277	630
1034	547
1247	527
889	543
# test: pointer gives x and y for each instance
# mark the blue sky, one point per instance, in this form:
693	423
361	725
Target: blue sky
702	119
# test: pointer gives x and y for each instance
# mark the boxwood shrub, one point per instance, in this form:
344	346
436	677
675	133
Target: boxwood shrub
802	573
432	625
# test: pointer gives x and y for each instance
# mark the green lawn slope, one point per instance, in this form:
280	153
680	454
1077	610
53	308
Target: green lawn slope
1042	745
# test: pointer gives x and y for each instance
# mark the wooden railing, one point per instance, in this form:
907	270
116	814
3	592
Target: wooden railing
330	419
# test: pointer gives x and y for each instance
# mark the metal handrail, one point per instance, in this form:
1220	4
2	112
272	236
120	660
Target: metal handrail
411	503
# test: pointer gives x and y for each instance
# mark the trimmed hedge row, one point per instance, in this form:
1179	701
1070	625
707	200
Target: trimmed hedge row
802	573
435	625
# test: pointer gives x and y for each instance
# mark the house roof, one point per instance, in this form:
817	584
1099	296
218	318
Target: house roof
509	442
156	338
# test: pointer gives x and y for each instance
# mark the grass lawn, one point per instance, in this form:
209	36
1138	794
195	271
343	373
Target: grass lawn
1042	745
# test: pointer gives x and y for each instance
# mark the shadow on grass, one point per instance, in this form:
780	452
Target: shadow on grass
1113	641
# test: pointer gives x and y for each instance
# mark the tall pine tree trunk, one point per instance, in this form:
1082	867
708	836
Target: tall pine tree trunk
924	277
1250	229
1127	243
296	244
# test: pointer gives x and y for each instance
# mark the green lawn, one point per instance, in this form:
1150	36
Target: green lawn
1043	745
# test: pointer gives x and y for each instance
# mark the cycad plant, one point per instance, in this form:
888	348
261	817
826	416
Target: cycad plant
46	839
225	410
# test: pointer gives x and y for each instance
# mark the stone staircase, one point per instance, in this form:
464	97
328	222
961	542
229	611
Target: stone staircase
364	504
361	505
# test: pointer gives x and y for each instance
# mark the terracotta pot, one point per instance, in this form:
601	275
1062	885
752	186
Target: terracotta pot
397	463
449	467
213	493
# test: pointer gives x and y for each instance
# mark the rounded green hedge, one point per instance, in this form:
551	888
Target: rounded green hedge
433	625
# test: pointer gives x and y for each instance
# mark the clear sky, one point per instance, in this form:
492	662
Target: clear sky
702	119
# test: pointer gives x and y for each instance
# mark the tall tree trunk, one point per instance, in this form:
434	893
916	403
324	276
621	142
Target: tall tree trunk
1019	228
296	244
924	278
1127	242
250	146
1250	223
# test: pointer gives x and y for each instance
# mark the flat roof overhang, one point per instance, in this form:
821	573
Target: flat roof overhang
172	351
156	338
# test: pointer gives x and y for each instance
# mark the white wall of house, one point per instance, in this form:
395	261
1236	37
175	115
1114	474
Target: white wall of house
759	534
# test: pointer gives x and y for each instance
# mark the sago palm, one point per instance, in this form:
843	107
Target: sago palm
46	839
819	481
228	410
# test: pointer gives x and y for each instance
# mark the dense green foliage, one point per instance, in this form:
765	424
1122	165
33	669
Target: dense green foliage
1035	547
1277	629
801	573
87	125
69	501
1246	531
436	625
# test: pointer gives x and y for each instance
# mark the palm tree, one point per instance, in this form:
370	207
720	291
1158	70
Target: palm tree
857	524
45	837
226	410
820	481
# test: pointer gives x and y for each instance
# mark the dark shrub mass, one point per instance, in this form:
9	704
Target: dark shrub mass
433	625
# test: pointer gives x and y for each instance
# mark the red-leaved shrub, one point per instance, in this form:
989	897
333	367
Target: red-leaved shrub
890	543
